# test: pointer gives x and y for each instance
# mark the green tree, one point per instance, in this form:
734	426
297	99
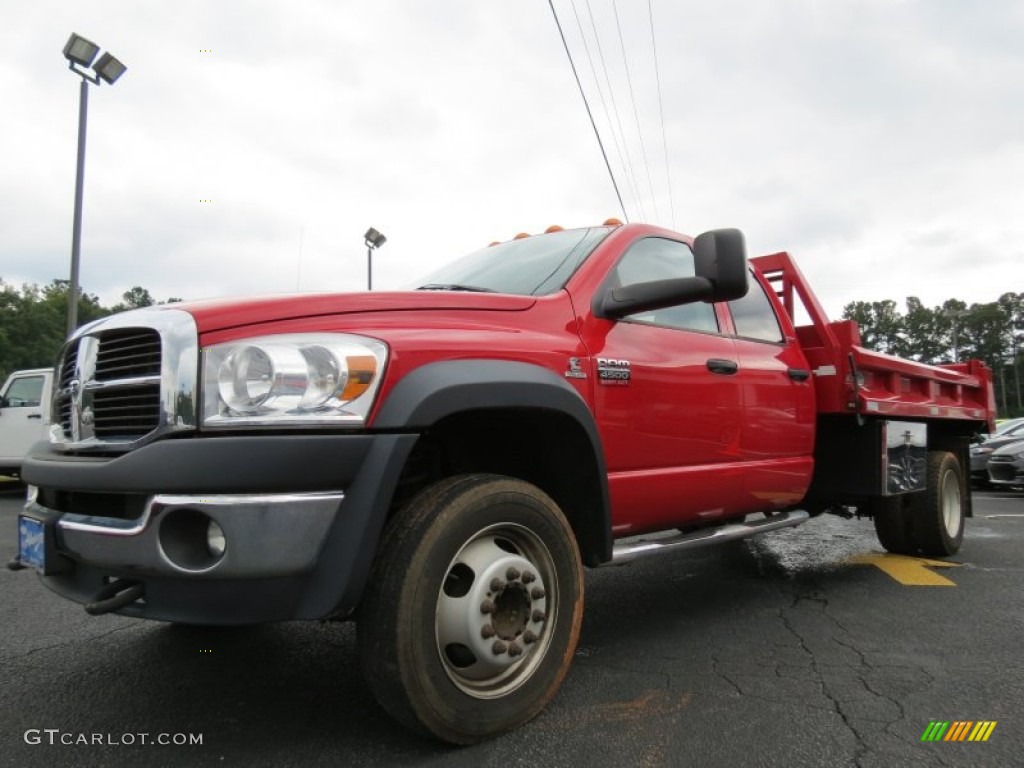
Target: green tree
881	325
1013	307
134	298
926	332
33	322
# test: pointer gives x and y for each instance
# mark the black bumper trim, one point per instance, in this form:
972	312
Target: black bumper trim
247	464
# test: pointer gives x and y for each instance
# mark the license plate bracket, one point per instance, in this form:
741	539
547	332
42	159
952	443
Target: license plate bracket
32	542
37	546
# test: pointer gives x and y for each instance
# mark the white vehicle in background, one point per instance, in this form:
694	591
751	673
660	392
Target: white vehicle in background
24	415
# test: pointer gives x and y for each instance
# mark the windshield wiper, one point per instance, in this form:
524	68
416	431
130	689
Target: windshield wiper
455	287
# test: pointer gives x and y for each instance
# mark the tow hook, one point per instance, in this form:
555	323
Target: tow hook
115	596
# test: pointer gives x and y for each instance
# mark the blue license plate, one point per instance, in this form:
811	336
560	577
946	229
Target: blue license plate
31	542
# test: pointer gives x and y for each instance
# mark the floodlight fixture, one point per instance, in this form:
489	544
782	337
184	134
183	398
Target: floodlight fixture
109	69
81	54
373	239
80	51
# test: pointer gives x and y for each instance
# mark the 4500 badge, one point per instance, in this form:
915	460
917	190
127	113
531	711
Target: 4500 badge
611	371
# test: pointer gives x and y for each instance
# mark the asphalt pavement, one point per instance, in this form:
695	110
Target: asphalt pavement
801	647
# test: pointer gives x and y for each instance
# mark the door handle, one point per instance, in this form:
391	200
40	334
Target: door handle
799	374
724	367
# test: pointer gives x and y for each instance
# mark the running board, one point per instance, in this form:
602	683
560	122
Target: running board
627	551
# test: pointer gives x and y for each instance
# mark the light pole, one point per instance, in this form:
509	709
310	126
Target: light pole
81	52
374	239
954	315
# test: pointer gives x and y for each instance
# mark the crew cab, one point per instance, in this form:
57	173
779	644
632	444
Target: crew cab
441	463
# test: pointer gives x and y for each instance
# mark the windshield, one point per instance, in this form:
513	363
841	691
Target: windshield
532	266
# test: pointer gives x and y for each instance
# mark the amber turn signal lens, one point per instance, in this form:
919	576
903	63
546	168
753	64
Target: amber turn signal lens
361	370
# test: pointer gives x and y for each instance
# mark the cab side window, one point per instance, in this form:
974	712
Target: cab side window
655	258
24	392
754	316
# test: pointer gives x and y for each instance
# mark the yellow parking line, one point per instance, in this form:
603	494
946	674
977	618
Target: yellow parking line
909	571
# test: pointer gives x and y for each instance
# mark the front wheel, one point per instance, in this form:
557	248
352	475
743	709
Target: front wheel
473	611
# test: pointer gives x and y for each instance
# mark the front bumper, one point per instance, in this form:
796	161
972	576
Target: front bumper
1002	472
300	515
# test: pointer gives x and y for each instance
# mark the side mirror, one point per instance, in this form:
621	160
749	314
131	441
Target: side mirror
720	260
721	256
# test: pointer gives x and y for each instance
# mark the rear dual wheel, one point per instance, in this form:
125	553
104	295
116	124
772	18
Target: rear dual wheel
930	522
473	611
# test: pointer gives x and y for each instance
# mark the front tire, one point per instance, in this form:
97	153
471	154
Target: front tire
473	611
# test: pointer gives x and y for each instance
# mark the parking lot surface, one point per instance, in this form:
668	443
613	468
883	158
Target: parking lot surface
803	647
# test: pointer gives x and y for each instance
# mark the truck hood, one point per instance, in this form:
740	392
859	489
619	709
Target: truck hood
221	314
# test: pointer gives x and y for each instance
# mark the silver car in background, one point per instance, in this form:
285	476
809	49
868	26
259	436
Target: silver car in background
1006	465
1007	433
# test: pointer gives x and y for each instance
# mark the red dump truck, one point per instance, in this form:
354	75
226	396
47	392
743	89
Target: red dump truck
440	464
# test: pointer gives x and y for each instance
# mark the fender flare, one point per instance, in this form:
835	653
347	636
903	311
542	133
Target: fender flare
436	390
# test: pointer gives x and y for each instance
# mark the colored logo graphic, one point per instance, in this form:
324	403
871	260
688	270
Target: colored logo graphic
958	730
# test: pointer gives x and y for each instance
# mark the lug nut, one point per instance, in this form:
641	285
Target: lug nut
538	616
514	649
529	637
537	593
512	574
487	631
498	648
486	607
529	577
497	585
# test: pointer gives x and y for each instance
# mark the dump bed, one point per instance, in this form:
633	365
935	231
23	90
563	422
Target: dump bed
851	379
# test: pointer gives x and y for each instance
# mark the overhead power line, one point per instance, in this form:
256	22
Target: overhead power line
604	106
636	114
600	143
661	115
615	108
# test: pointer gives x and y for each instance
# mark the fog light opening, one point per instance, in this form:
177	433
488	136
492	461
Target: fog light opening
190	540
215	541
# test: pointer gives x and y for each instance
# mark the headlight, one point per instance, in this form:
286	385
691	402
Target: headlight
296	379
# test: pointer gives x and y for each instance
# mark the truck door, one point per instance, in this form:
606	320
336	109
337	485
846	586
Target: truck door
668	403
21	417
777	437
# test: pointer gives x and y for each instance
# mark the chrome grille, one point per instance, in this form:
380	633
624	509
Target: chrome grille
127	412
127	362
126	379
128	353
67	375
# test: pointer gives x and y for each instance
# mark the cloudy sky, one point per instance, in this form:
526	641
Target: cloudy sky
881	141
